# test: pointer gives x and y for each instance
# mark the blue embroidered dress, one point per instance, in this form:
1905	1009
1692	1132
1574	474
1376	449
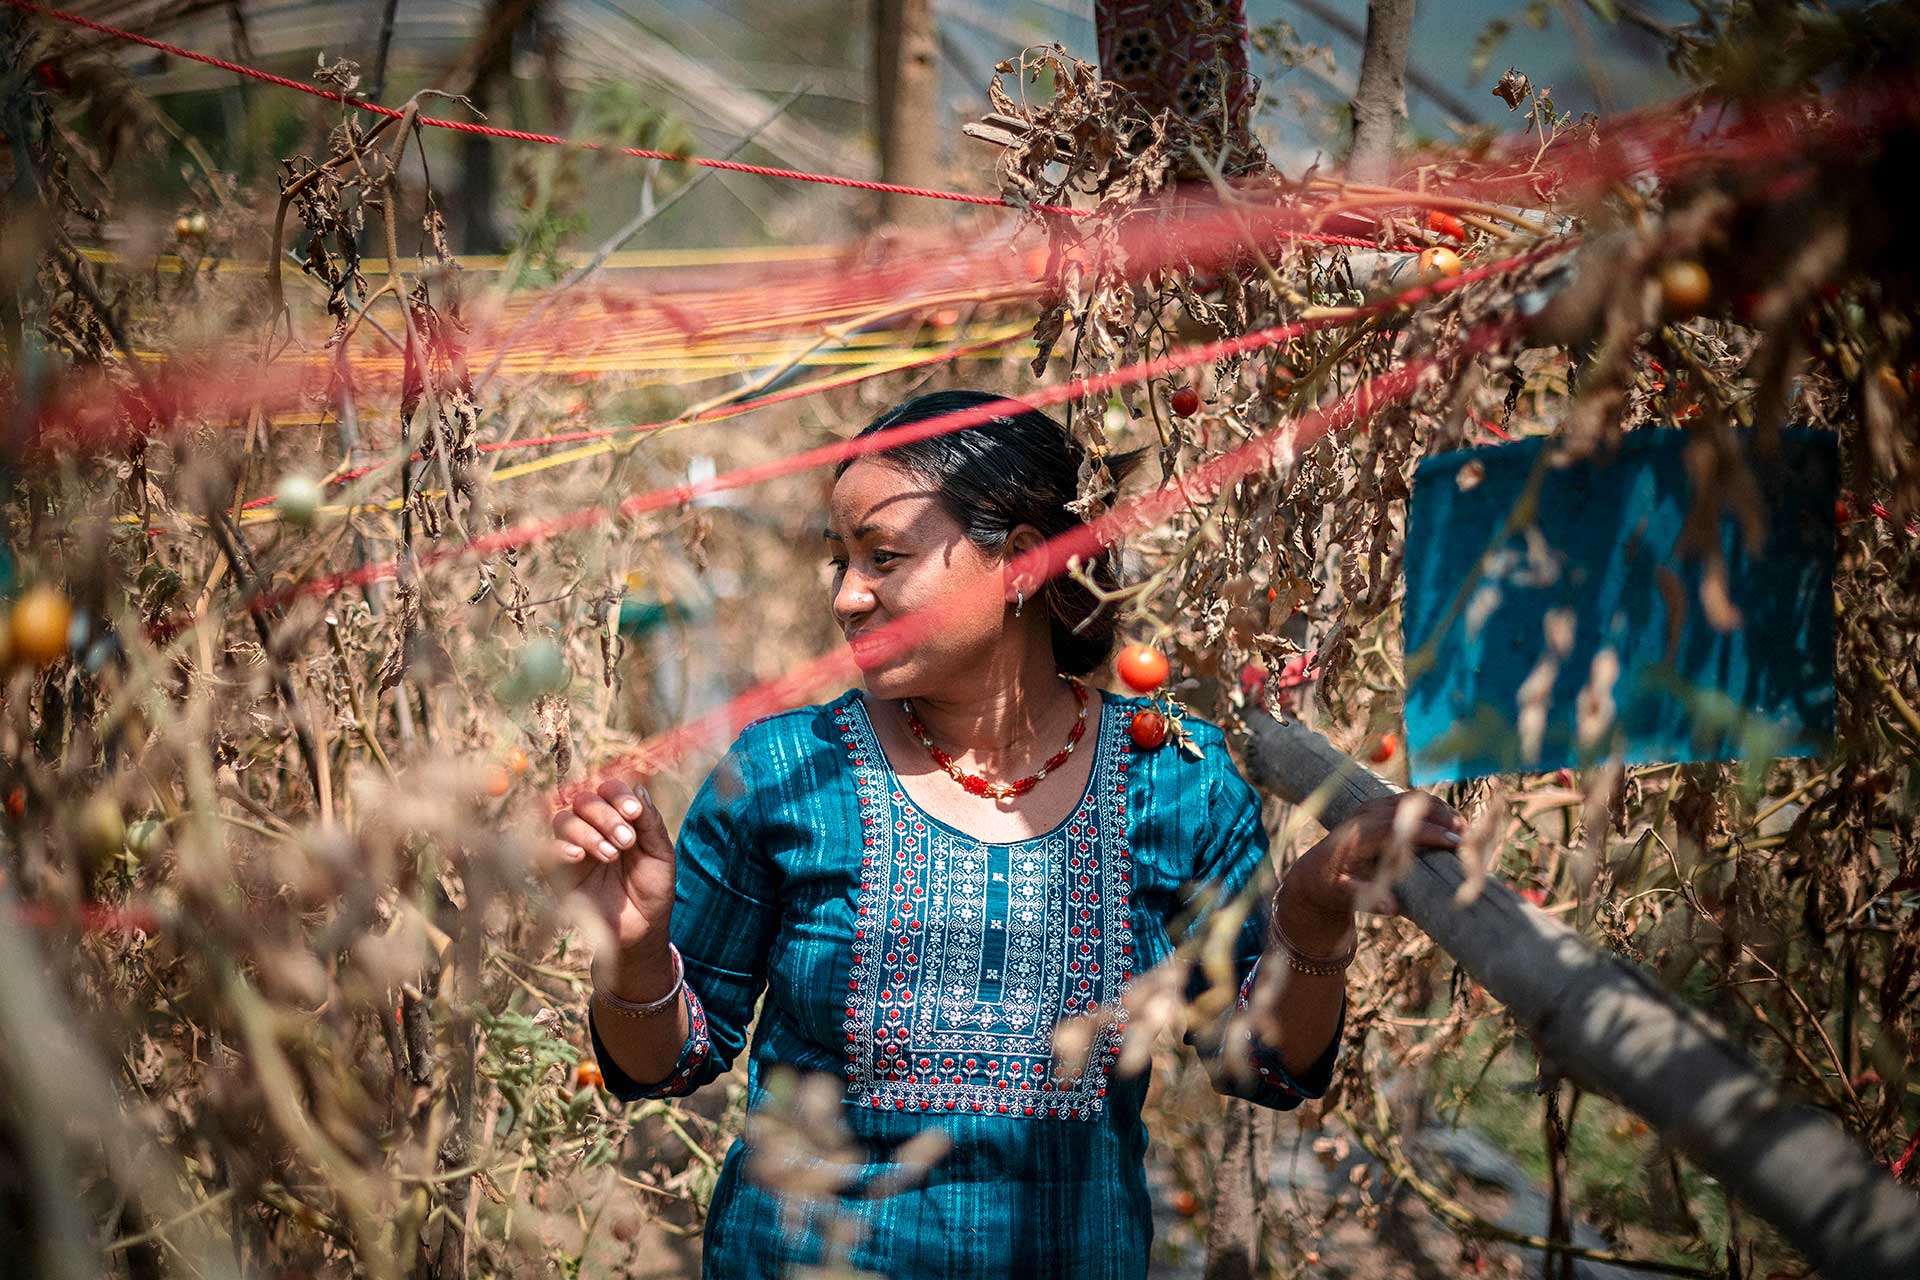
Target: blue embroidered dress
926	969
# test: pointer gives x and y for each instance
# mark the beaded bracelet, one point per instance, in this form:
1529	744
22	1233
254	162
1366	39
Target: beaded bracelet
652	1008
1308	963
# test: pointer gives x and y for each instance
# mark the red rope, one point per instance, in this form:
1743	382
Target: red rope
827	455
722	411
554	140
1899	1167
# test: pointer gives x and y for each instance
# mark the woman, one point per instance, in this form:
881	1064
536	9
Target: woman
927	874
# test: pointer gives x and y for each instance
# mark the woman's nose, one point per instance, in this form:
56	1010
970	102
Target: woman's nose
853	598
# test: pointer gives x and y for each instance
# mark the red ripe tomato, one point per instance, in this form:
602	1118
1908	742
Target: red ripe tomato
1253	680
1148	729
1442	223
1142	667
1438	262
1185	402
1385	749
1185	1203
587	1076
1842	513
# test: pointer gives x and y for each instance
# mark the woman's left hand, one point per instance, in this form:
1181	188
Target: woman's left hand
1341	874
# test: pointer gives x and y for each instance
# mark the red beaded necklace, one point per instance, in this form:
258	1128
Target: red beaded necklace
979	786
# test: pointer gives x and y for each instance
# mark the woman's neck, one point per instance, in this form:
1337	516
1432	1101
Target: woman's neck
1019	698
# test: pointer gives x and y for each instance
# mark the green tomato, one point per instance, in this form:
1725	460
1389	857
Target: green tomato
543	669
144	836
101	829
298	499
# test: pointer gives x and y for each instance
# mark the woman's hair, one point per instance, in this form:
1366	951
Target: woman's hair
1014	469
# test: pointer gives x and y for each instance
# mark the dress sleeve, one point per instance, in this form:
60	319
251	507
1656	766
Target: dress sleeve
1231	853
725	911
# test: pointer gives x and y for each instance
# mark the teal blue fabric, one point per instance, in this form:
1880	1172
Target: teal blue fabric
926	970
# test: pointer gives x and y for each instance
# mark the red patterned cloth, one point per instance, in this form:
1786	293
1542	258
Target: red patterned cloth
1187	55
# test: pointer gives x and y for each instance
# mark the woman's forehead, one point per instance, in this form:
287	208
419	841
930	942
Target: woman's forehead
873	496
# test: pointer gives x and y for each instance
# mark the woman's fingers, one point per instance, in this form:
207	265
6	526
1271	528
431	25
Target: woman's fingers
1363	862
617	792
605	819
650	831
561	861
571	828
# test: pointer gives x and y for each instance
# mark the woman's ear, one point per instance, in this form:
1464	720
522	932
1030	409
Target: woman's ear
1023	539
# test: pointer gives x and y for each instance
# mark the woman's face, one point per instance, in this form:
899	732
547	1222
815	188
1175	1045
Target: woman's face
896	550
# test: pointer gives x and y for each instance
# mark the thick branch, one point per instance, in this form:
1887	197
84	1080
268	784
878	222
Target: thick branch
1605	1026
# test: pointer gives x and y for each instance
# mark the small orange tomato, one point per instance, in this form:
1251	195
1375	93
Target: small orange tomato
587	1076
517	760
1685	287
1892	384
1148	729
1438	262
498	782
41	620
1141	667
1185	1203
1385	749
17	803
1442	223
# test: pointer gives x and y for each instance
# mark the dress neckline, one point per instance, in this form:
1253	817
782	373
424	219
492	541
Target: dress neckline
1102	752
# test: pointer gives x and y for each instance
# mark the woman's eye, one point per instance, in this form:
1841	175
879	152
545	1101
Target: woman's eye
881	557
839	563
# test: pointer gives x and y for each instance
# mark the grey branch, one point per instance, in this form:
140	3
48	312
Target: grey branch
1607	1027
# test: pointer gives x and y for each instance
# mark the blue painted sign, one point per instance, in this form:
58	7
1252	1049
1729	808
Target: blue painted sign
1556	616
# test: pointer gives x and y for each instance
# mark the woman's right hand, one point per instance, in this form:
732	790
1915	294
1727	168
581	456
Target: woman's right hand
611	847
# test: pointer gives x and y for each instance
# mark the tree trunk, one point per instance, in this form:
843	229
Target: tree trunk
906	92
484	72
1380	100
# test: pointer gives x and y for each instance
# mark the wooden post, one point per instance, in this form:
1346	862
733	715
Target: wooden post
906	88
1607	1027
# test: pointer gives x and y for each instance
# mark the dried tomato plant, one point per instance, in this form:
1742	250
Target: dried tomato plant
280	853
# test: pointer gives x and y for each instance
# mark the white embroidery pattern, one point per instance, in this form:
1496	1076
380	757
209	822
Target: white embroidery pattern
966	954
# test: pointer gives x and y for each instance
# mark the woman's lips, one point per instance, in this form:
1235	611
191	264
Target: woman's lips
868	649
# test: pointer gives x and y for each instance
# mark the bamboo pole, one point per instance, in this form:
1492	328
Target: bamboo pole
1606	1026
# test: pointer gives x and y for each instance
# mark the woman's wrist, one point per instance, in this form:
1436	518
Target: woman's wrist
641	972
1309	928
